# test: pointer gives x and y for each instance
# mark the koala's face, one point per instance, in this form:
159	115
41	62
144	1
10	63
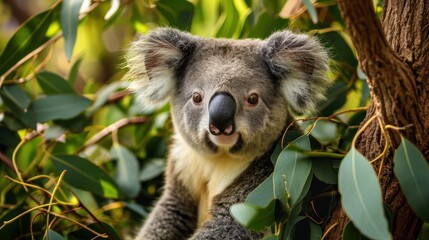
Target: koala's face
227	102
229	96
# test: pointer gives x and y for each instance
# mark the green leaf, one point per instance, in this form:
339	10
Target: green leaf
292	171
316	231
85	234
51	83
127	170
325	131
52	235
17	101
350	232
8	137
104	93
83	174
152	168
54	107
231	24
324	170
29	36
311	10
69	21
361	196
205	17
254	217
271	237
412	171
74	71
263	194
178	13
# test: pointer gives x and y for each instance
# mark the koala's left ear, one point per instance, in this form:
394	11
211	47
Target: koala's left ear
154	62
301	64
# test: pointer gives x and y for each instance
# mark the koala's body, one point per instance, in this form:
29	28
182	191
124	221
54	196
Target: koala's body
229	105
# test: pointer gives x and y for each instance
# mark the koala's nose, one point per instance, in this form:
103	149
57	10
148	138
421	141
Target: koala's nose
221	114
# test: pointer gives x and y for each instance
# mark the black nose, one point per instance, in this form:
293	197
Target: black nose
221	114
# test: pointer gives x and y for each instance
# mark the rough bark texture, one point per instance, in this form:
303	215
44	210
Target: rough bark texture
394	54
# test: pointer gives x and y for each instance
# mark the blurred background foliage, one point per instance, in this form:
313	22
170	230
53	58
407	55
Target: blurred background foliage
63	107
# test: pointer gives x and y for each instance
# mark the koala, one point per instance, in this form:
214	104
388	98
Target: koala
230	101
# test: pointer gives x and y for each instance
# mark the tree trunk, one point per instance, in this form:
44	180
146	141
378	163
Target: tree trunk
394	55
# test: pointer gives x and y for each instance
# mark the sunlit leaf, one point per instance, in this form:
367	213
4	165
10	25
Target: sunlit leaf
127	170
54	107
83	174
231	23
69	21
412	171
178	12
205	17
52	83
27	38
254	217
361	196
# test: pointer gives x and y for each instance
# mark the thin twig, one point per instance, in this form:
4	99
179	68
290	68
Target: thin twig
6	160
113	127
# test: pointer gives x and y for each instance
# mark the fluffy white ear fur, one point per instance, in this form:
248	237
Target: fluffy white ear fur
152	62
301	64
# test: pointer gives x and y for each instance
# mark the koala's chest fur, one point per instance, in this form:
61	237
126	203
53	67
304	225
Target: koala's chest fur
204	176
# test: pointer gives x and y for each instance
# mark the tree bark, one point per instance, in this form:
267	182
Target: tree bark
394	55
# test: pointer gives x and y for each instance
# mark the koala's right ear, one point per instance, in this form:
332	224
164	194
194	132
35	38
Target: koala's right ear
153	63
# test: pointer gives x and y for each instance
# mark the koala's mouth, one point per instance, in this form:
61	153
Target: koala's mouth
233	143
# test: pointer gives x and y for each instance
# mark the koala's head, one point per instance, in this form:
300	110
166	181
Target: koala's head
228	96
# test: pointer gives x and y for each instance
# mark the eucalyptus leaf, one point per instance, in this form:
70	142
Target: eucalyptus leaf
231	25
52	235
127	170
62	106
27	38
324	170
74	71
83	174
263	194
292	170
412	171
85	234
18	102
350	232
311	10
69	21
178	13
316	231
361	196
152	168
52	83
254	217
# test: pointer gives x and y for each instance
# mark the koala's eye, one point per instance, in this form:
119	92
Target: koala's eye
253	99
197	98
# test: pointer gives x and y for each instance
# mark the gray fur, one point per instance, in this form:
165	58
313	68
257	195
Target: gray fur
286	70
